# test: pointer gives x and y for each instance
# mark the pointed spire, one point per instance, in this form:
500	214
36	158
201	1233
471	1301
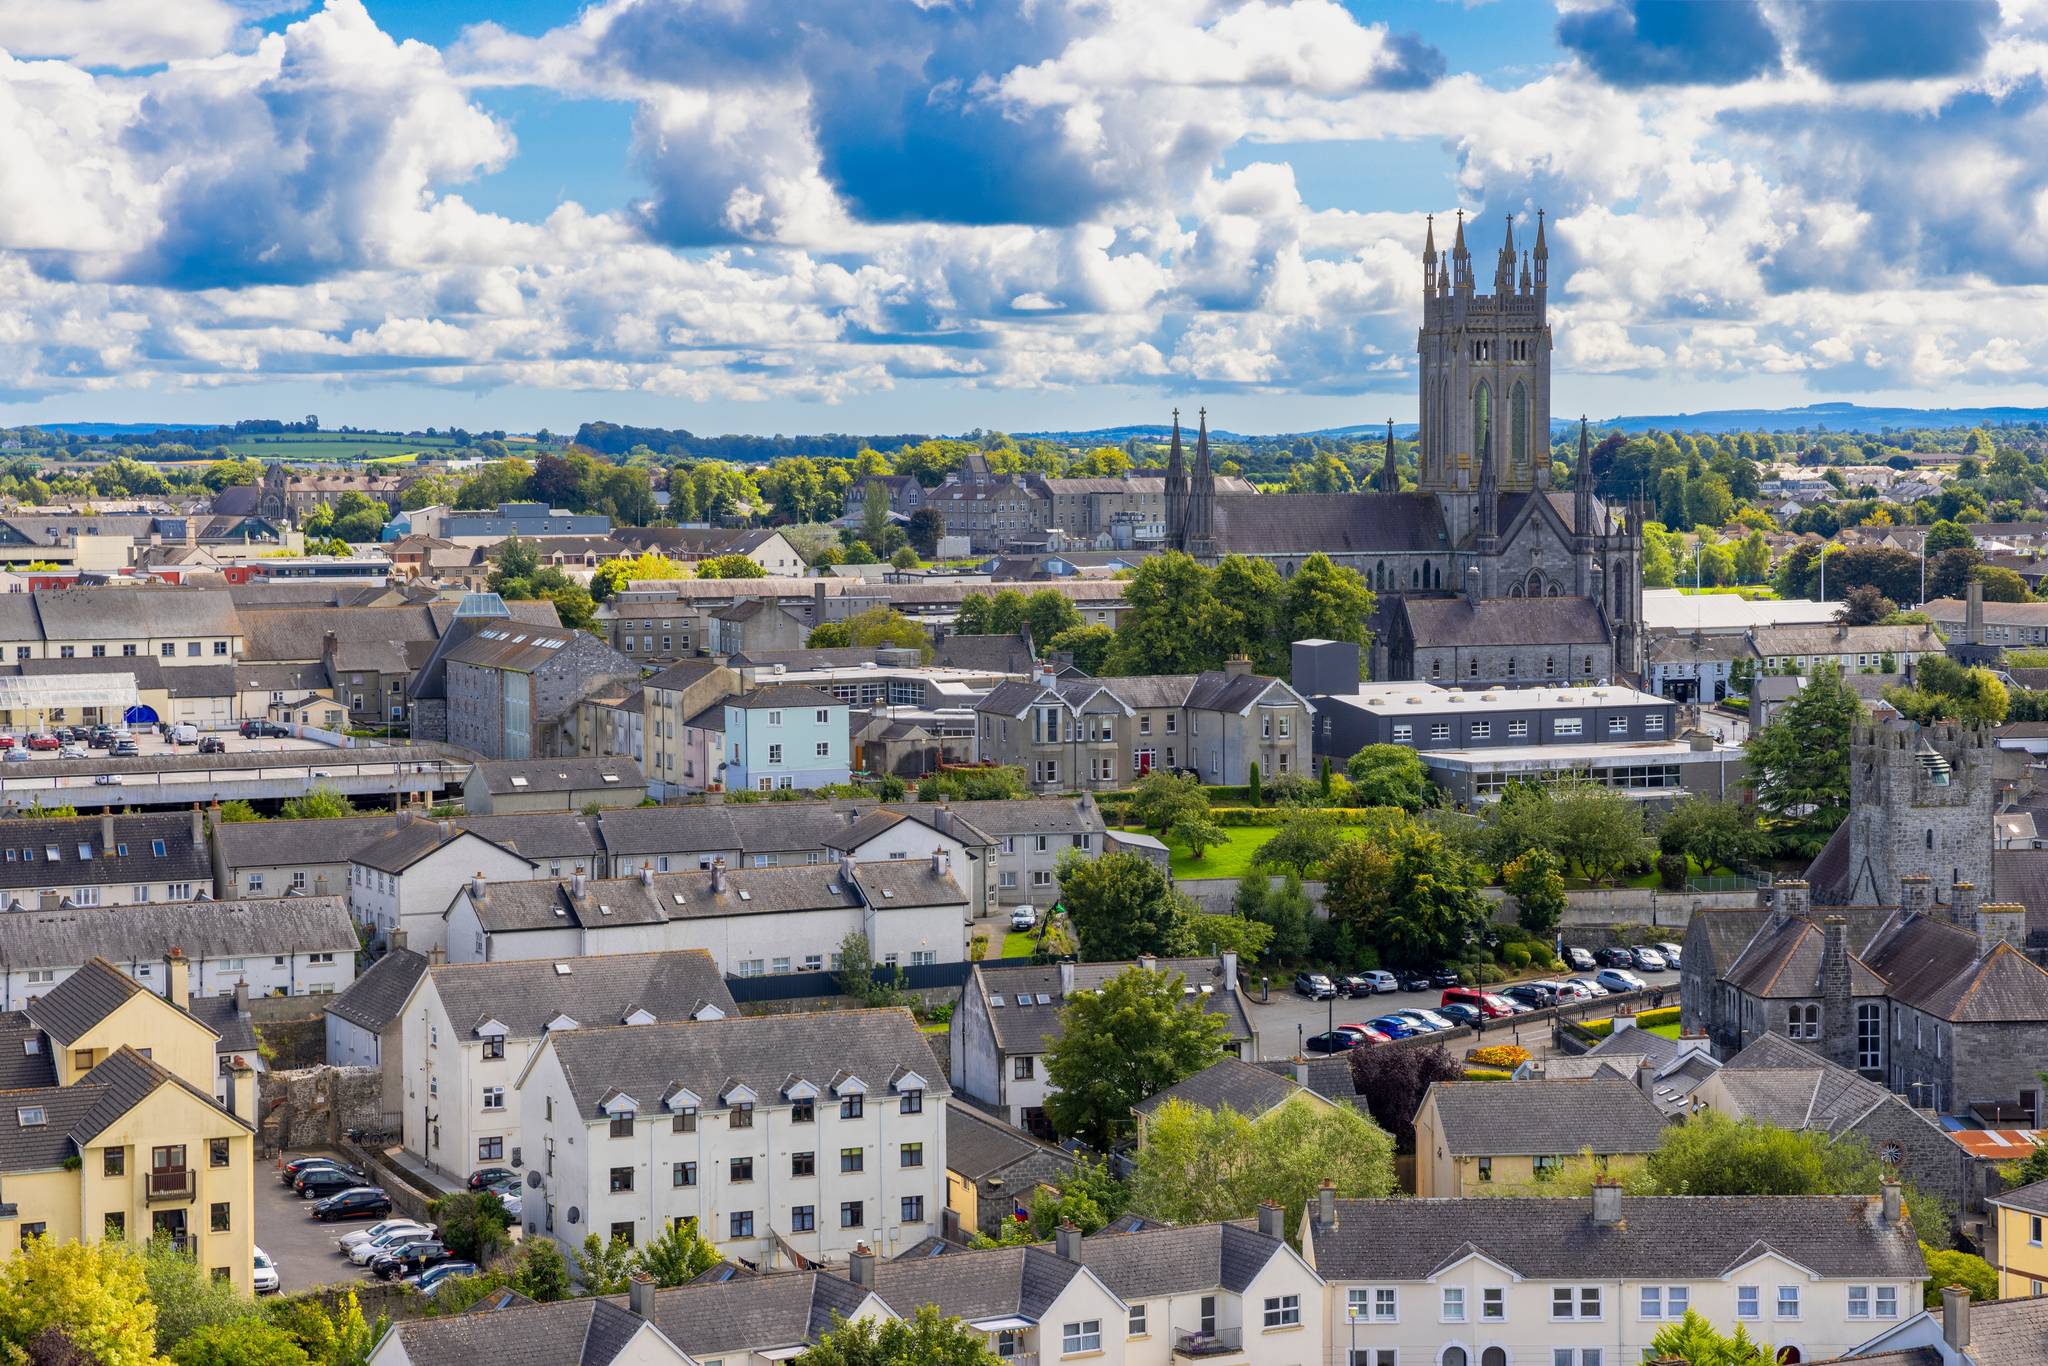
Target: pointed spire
1176	490
1542	251
1429	241
1173	465
1507	248
1390	473
1582	483
1202	446
1458	247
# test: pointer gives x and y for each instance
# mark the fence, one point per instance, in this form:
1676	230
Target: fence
790	986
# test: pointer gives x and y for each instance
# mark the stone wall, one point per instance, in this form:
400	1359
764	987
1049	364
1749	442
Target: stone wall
316	1106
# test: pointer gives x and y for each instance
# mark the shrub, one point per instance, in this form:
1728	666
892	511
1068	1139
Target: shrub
1485	1074
1488	975
1515	955
1671	872
1505	1055
1662	1015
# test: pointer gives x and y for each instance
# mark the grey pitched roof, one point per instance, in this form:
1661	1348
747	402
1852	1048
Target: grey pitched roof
1942	969
1245	1087
107	613
261	844
538	836
374	999
906	882
70	851
236	1030
732	1317
1028	1028
1687	1237
559	775
978	1145
1154	1262
763	1052
982	1284
203	929
2009	1333
37	1146
783	695
1542	1118
1505	621
1343	523
512	906
589	1332
1777	1081
523	995
72	1008
1785	960
26	1058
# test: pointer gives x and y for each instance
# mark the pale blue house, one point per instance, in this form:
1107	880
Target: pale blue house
786	735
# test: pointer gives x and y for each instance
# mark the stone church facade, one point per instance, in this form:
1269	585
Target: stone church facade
1484	521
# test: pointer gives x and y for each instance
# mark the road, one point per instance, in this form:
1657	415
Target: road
1287	1019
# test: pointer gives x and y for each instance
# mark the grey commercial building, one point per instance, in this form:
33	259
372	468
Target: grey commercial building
523	519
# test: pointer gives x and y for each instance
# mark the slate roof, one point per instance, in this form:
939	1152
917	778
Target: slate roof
27	860
523	995
679	676
764	1052
545	905
791	695
76	1005
1772	641
1438	622
1244	1087
2009	1333
203	929
539	836
1337	524
397	850
374	999
26	1060
1940	968
978	1284
1154	1262
978	1145
1683	1237
74	1115
1027	1029
1784	960
268	844
732	1317
1822	1095
90	614
591	1332
1545	1118
236	1031
558	775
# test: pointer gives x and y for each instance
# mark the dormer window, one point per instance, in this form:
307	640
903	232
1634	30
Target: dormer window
852	1107
494	1045
910	1102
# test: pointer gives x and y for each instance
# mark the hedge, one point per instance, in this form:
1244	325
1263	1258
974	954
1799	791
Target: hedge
1485	1074
1644	1019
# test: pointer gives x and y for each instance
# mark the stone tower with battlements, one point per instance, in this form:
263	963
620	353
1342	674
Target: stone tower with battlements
1920	803
1484	364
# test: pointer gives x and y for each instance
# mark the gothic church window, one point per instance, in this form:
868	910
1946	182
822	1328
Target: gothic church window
1482	417
1518	428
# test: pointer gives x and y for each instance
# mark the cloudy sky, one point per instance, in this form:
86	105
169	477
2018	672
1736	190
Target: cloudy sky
930	215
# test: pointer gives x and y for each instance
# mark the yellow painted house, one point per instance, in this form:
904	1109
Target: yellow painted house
2020	1250
109	1127
1473	1137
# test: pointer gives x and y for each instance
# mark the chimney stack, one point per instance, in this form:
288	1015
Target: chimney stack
1272	1219
1066	978
476	893
847	869
1326	1204
718	878
1962	905
1955	1300
2001	922
1301	1071
1888	1201
1607	1203
1916	893
242	998
1973	613
640	1295
106	832
941	865
1230	969
178	978
1237	666
647	875
1790	898
198	826
860	1266
576	886
1068	1239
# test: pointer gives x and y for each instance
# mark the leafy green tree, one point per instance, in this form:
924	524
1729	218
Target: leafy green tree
321	804
1304	842
604	1266
542	1272
1120	905
337	1336
856	975
186	1297
1947	691
1947	535
1197	832
1695	1341
1197	1165
679	1255
473	1226
1249	595
1799	763
613	575
1286	909
240	1342
1089	645
1172	620
927	1338
1087	1197
1135	1035
1717	834
1536	882
1753	559
1162	800
97	1294
1948	1266
235	810
926	526
1048	612
730	567
1408	893
1326	601
1245	937
829	635
514	560
1392	1082
974	615
1388	775
1597	828
904	558
883	627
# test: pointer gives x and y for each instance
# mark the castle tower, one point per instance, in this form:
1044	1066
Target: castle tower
1176	491
1920	802
1201	516
1484	362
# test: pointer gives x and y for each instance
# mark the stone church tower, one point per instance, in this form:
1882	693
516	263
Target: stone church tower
1920	803
1485	376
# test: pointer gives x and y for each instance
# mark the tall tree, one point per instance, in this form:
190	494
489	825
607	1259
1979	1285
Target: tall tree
1171	620
95	1293
1326	601
1132	1037
1249	594
925	1339
1392	1082
1799	763
1089	645
1120	906
1537	884
1388	775
1197	1165
1409	893
1048	612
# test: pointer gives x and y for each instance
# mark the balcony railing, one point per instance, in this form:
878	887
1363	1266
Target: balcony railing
1216	1342
175	1183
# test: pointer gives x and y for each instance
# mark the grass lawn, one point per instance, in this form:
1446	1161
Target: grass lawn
1018	944
1233	857
1665	1031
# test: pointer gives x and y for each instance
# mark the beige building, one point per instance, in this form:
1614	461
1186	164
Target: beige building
668	702
1472	1137
110	1128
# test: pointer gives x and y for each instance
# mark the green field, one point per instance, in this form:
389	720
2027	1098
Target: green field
334	445
1233	857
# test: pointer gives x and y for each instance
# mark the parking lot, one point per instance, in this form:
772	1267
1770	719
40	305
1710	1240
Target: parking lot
152	744
301	1245
1286	1019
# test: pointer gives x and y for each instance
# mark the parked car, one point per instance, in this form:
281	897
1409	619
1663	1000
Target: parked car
1444	977
1428	1017
1578	960
1619	980
1615	956
1413	981
324	1181
490	1176
1673	956
1649	960
1489	1004
184	733
1396	1026
213	744
1457	1012
1315	986
18	756
1353	984
263	1274
509	1196
106	780
290	1171
1367	1032
1586	986
48	743
434	1277
356	1237
1336	1041
396	1233
410	1258
352	1202
259	730
1535	995
1381	980
125	749
1023	918
73	752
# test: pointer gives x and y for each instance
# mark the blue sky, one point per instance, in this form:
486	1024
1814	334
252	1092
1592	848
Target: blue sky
872	215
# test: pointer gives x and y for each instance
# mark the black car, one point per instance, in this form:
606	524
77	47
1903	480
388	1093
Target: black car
1534	997
1578	959
298	1166
1615	956
213	744
408	1259
1414	981
356	1203
1445	977
1336	1041
102	737
1351	984
322	1181
258	730
490	1176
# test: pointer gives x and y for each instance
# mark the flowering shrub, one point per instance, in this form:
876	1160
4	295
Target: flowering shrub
1502	1055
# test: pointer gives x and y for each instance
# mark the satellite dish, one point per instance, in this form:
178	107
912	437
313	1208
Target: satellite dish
533	1180
574	1214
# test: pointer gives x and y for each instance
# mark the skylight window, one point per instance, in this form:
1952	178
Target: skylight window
518	781
32	1116
156	847
85	852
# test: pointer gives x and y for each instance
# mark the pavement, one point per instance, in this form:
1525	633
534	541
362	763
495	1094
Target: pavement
1286	1019
301	1245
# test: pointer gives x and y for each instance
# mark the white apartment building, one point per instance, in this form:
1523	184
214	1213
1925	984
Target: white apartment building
466	1032
406	879
1589	1282
814	1132
299	946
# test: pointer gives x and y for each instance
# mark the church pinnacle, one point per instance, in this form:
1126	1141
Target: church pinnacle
1390	475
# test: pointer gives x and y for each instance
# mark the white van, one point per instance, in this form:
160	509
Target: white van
185	733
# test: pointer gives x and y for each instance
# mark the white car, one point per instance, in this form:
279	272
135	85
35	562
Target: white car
264	1275
1023	918
362	1254
73	752
356	1237
1649	960
1588	986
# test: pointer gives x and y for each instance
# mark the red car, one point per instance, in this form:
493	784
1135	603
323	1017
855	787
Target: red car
6	742
1488	1004
1368	1033
42	742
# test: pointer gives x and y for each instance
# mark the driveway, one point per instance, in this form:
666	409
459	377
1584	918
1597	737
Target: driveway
301	1245
1287	1018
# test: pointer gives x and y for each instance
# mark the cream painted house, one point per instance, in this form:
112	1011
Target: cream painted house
109	1127
1472	1137
1591	1281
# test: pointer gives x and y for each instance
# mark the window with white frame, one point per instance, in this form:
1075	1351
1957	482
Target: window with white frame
1373	1304
1518	730
1493	1304
1403	733
1085	1336
1453	1310
1575	1356
1788	1302
1748	1302
1282	1311
1137	1325
1568	725
1569	1303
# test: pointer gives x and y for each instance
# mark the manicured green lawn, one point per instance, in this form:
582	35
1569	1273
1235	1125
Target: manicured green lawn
1018	944
1233	857
1667	1031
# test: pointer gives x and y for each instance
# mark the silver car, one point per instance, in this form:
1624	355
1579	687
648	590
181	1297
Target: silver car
1586	986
